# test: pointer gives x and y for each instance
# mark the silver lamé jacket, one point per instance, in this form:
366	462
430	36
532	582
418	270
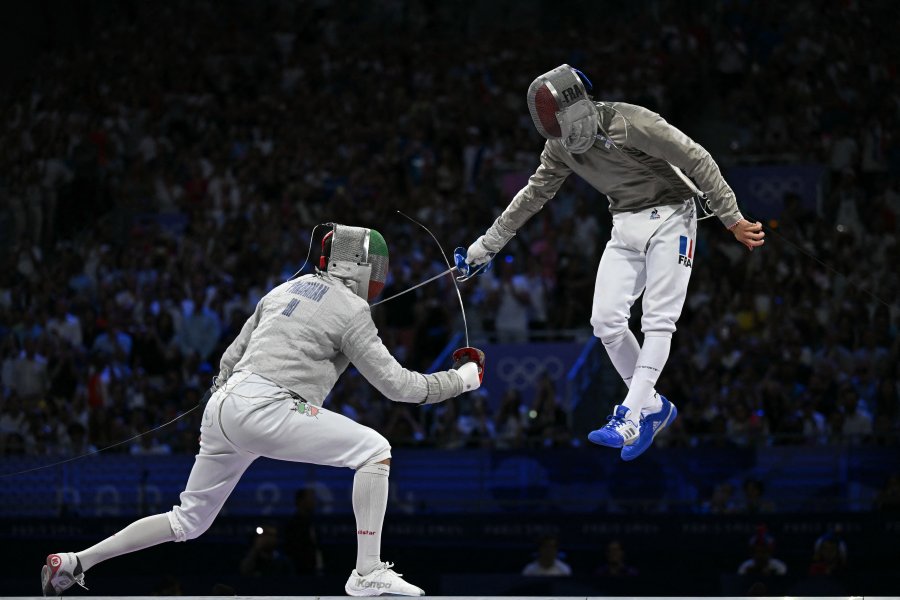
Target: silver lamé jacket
305	332
631	162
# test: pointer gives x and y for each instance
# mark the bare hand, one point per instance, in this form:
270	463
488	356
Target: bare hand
749	234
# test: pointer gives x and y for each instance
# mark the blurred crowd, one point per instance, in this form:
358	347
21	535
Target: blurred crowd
164	168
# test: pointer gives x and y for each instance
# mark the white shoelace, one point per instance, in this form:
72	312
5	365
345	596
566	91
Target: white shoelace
389	566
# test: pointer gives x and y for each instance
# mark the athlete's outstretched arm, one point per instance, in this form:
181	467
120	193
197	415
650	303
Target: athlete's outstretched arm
361	344
541	187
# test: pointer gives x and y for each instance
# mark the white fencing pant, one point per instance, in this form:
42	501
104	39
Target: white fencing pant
650	252
250	417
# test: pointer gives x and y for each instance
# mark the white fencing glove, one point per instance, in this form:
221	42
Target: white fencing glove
469	375
477	254
487	246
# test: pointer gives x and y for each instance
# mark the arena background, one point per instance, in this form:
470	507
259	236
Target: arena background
163	164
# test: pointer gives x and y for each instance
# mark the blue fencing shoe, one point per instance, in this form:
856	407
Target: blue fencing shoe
620	429
651	425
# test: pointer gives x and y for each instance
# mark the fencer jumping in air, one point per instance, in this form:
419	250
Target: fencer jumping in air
267	401
647	169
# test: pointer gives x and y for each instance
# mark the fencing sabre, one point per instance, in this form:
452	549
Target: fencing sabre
467	353
417	286
450	269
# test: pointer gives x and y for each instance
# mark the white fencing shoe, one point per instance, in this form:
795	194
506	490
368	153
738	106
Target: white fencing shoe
382	580
61	572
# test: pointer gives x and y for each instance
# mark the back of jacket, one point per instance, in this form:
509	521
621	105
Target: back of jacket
305	332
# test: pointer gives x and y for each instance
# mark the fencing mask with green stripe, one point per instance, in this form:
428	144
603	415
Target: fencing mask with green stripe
357	255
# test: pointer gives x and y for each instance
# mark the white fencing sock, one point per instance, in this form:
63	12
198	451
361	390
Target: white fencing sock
370	495
642	397
623	352
141	534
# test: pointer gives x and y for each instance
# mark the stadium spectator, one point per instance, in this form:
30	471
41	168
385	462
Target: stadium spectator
548	561
753	502
829	556
615	565
762	562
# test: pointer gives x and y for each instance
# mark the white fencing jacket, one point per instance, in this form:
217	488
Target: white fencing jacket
305	332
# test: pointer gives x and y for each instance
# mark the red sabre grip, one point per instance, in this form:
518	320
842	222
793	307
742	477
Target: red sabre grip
469	354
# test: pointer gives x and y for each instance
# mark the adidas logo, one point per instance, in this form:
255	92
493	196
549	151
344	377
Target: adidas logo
662	422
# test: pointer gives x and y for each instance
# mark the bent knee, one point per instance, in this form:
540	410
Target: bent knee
608	329
188	525
375	450
608	323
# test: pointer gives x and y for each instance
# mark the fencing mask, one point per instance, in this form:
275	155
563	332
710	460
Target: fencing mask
561	109
356	255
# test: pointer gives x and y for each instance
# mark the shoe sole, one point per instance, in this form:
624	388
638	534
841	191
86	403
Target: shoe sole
603	443
672	414
360	593
46	587
370	593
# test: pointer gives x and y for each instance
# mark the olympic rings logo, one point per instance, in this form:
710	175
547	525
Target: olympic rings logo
768	187
522	372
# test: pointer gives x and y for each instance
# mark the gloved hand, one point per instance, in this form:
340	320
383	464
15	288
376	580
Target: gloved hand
470	376
478	254
488	245
463	361
465	269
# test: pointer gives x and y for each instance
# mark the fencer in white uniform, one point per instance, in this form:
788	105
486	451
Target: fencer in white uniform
267	401
652	174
